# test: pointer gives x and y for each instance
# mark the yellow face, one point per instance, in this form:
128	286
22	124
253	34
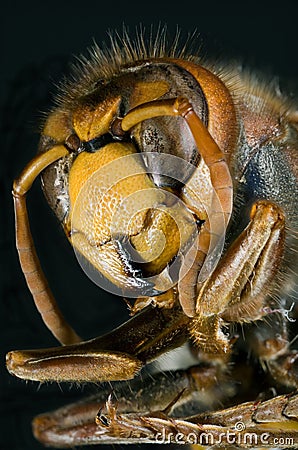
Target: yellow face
125	215
122	223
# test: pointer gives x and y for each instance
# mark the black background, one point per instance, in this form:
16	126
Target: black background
38	41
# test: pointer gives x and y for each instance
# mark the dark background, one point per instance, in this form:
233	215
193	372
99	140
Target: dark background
38	41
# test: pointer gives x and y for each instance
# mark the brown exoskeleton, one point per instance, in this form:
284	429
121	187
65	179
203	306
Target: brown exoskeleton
177	182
